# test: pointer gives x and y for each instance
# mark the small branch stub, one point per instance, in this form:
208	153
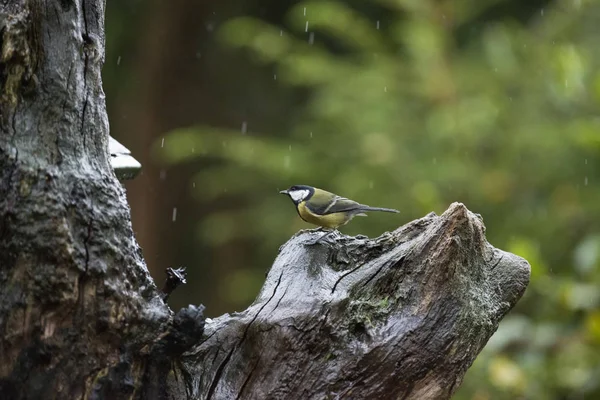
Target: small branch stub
175	278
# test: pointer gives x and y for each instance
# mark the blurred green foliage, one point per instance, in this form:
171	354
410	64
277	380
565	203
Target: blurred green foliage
434	103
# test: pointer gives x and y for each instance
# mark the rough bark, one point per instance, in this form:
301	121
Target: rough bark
79	313
401	316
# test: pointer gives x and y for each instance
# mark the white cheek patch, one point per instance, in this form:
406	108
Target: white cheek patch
299	195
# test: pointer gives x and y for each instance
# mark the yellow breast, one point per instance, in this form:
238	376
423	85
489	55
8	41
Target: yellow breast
331	221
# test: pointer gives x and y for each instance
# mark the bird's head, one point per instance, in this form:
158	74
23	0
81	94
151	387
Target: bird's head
299	193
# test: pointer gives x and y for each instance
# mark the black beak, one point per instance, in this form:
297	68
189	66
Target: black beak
284	192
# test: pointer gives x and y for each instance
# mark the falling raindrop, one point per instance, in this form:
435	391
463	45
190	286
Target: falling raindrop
193	184
311	138
305	11
306	27
542	12
385	89
311	38
585	181
174	213
290	147
281	32
287	160
244	127
193	150
586	161
162	143
119	60
377	24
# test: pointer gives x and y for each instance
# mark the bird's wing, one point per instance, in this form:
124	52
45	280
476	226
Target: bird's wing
334	205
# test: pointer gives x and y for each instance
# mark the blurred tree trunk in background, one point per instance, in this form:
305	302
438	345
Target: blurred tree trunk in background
143	115
143	123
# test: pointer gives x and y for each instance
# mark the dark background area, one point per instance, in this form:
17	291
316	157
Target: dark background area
403	104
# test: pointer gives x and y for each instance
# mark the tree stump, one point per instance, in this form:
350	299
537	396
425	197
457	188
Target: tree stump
400	316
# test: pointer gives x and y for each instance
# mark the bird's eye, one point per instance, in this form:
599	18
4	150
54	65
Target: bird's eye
294	188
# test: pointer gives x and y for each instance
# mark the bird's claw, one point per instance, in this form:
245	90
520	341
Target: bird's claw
321	238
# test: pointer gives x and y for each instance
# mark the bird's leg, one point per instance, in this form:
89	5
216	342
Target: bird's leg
323	236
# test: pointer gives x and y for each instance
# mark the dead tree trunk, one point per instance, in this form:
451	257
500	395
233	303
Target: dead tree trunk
401	316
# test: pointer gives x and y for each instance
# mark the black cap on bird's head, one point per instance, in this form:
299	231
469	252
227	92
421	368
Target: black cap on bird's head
299	193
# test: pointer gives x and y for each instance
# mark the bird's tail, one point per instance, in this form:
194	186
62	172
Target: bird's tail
368	208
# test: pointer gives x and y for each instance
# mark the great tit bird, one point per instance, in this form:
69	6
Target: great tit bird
326	209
